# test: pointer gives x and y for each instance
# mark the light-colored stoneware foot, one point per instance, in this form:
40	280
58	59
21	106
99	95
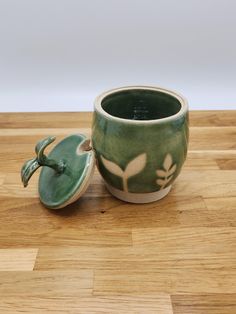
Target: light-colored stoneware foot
138	198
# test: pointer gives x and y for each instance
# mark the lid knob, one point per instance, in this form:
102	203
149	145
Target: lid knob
41	159
66	172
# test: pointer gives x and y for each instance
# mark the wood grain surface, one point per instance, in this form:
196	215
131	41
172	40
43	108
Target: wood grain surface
101	255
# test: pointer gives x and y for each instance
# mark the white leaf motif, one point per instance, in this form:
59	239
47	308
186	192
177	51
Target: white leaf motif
167	162
161	173
161	182
136	165
172	170
112	167
167	174
168	179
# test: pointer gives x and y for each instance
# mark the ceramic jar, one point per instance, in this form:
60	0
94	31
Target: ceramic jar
140	140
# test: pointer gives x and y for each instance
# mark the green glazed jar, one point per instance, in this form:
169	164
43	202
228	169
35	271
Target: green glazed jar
140	140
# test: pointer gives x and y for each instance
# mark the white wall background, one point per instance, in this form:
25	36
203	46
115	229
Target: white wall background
59	54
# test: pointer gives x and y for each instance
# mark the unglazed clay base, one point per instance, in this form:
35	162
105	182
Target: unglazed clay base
138	198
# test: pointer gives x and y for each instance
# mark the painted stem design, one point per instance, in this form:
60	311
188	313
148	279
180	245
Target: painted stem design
125	184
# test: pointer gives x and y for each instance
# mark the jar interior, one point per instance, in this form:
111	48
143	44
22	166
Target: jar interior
141	104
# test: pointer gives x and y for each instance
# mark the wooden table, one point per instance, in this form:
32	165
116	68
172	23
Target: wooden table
102	255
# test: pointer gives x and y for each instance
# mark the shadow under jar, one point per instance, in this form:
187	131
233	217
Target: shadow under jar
140	139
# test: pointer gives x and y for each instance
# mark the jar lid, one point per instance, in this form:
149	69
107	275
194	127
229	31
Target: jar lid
66	171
